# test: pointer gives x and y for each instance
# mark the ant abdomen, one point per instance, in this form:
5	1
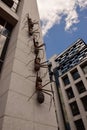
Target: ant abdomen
40	97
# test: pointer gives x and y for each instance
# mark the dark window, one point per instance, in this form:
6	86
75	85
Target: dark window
84	68
5	30
80	87
66	80
74	108
75	74
9	3
79	125
70	93
84	101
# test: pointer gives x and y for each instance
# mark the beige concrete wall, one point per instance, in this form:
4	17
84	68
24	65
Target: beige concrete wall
17	112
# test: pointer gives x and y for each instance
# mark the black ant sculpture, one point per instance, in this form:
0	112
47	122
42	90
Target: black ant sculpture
40	91
31	24
37	47
50	71
38	64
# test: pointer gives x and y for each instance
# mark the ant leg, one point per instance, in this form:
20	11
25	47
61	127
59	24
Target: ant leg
29	62
42	54
35	22
50	100
44	75
44	62
44	66
47	93
29	76
31	95
48	90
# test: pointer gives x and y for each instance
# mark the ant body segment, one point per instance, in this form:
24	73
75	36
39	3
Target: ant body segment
37	47
37	64
40	91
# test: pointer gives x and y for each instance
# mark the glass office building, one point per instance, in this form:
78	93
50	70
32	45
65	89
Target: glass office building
70	71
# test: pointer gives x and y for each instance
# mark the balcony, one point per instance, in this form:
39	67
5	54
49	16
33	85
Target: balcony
7	14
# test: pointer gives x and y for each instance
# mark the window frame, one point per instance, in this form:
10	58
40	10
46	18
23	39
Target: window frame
66	80
75	74
74	112
80	87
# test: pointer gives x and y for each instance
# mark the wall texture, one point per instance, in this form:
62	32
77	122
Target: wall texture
16	112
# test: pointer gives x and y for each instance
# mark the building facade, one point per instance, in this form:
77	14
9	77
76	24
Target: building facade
70	71
20	108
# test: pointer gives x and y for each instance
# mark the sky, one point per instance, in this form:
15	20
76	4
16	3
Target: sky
63	22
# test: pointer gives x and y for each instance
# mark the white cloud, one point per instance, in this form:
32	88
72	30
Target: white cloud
52	11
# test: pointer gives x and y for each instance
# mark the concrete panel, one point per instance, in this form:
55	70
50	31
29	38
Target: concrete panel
19	107
4	84
21	56
7	70
20	68
3	100
44	127
11	49
1	122
22	85
22	45
11	123
8	59
43	115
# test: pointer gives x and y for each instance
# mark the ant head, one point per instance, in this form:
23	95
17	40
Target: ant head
36	43
37	60
29	19
30	23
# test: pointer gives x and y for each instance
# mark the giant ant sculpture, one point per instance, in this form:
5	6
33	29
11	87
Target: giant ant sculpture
39	87
31	26
34	33
32	29
38	64
40	91
37	47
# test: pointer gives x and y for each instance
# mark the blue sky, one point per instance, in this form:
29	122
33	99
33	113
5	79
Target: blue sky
66	29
